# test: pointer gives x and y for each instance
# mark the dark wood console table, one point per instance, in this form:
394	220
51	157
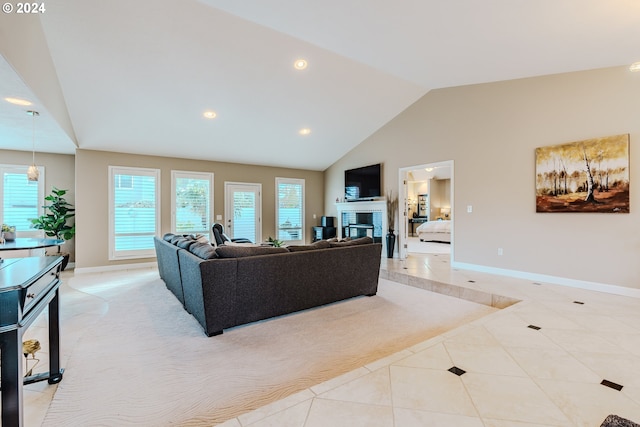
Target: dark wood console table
417	220
27	287
22	243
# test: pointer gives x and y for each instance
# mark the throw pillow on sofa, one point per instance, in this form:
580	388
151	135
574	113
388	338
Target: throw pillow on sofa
228	251
358	241
320	244
203	250
185	242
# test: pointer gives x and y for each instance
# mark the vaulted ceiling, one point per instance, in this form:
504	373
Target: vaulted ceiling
137	76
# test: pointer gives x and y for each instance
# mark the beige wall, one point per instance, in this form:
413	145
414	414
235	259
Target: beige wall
490	131
59	173
92	196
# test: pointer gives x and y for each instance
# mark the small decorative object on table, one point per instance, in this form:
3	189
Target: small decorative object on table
30	347
8	232
274	242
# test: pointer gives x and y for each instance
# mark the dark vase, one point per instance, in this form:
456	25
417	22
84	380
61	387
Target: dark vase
391	243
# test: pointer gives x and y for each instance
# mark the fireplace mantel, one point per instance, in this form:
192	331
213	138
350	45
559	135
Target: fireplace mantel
376	206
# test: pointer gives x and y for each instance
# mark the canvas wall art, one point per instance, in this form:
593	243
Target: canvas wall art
584	176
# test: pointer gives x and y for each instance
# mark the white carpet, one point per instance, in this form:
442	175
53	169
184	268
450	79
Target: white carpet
147	362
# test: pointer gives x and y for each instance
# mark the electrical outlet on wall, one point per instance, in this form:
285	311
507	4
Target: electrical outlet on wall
500	251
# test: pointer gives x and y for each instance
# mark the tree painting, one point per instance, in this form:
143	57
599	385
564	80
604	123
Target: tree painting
584	176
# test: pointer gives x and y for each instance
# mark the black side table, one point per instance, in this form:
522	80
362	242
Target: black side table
27	287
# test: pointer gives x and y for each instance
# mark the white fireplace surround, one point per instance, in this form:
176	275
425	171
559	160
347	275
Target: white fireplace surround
364	207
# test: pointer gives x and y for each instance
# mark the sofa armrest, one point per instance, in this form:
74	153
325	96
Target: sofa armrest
209	288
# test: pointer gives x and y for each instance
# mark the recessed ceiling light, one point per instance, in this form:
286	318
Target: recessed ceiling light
18	101
210	114
635	66
300	64
304	131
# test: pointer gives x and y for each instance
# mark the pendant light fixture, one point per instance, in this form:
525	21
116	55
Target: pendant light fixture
33	173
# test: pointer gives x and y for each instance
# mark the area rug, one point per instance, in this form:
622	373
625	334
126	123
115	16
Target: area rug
616	421
147	362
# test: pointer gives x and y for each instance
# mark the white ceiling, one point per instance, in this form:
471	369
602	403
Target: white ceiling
136	76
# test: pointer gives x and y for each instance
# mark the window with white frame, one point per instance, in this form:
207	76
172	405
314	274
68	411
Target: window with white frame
134	211
290	210
21	200
191	202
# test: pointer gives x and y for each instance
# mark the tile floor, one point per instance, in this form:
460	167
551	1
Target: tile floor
537	362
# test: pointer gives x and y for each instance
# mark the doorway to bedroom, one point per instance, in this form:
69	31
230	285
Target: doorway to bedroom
426	209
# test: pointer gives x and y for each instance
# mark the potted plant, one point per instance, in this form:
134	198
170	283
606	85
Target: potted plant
8	232
54	222
392	210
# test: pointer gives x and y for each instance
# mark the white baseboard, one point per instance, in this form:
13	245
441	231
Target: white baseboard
593	286
119	267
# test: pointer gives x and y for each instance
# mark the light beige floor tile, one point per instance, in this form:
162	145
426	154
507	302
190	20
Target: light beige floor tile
230	423
276	407
413	418
430	390
324	413
435	357
372	389
477	335
623	369
483	359
512	398
340	380
510	423
295	416
511	331
627	342
556	364
589	404
581	341
602	323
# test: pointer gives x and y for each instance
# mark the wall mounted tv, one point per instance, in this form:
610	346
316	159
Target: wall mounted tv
362	183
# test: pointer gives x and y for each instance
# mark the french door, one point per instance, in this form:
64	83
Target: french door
243	210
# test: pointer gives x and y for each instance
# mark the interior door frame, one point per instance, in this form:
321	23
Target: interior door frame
229	188
403	174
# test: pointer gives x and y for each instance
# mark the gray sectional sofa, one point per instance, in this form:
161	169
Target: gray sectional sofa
233	285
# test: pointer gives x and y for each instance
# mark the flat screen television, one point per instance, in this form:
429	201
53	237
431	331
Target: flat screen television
362	183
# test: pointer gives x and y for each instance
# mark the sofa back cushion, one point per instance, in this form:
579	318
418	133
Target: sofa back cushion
320	244
228	251
359	241
203	250
185	242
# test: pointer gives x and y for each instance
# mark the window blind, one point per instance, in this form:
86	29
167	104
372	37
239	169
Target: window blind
22	199
135	211
290	209
192	203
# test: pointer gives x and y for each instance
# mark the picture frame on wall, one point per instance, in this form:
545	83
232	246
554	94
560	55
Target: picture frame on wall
591	175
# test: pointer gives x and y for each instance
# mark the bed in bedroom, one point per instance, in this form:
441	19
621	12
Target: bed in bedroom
435	231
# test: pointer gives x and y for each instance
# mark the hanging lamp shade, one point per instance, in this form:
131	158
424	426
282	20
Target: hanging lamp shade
33	173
